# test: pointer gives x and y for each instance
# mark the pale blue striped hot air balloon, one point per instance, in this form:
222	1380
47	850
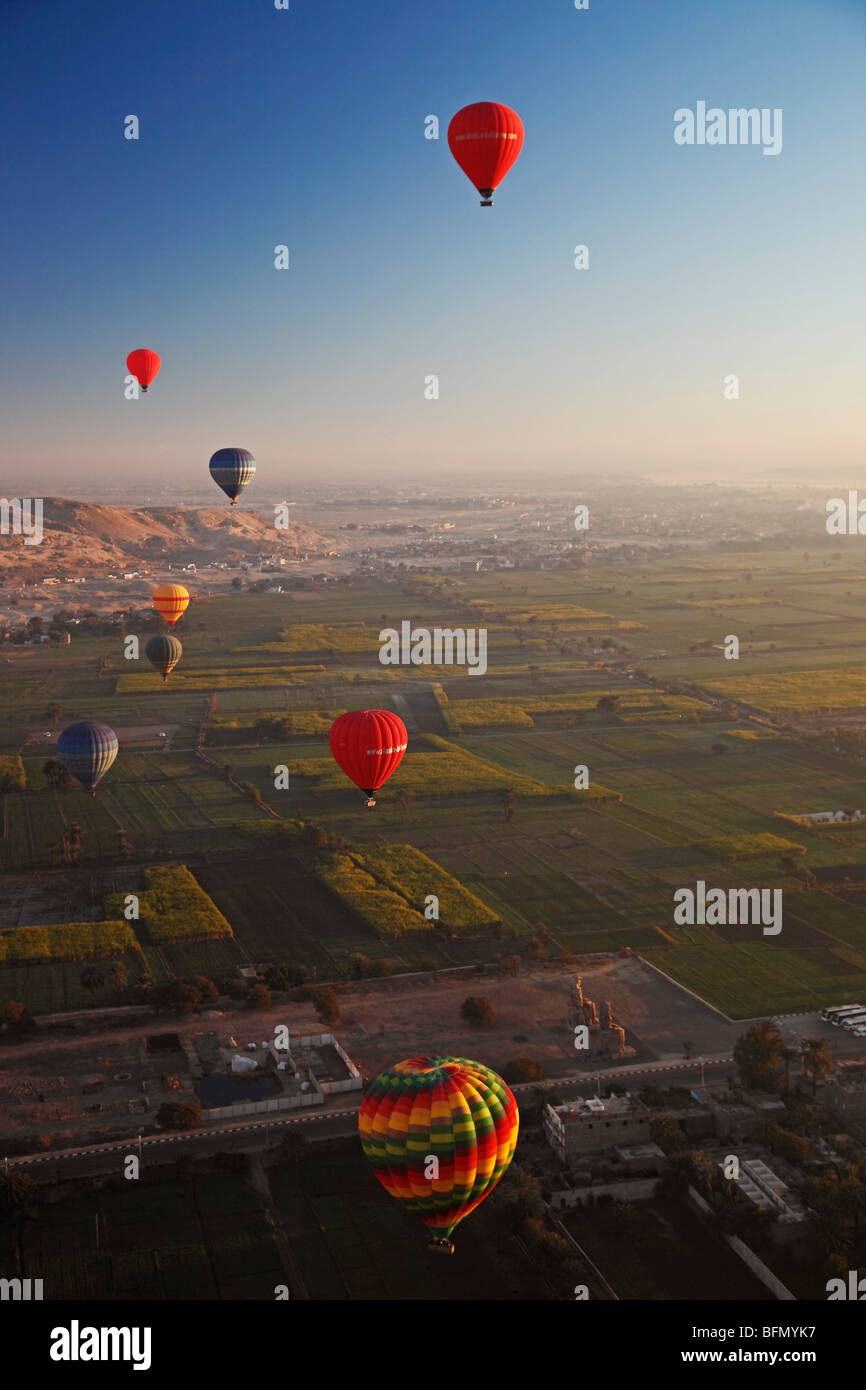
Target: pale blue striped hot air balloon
232	469
87	750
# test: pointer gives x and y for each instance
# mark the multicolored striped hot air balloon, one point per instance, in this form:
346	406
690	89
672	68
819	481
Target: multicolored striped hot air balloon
164	652
369	745
439	1132
171	601
143	364
232	469
87	750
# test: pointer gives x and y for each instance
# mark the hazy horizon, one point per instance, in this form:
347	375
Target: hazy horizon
109	489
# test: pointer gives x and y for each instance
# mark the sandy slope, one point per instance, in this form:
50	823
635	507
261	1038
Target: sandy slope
85	538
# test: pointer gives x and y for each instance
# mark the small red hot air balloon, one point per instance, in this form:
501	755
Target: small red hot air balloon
485	139
144	364
369	745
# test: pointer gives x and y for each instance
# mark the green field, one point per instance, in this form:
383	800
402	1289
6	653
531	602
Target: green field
282	913
353	1241
67	941
414	876
205	1239
680	782
55	986
661	1251
173	907
797	692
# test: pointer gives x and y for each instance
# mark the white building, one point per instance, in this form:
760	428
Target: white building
761	1186
581	1127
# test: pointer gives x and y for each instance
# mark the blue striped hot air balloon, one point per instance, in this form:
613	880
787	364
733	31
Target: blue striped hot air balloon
87	751
232	469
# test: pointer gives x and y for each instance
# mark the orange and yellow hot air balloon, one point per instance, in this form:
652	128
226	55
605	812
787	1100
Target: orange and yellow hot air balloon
171	600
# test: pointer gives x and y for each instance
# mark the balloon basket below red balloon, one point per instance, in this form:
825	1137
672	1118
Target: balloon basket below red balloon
442	1246
371	801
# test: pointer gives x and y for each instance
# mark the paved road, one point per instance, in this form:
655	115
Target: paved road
670	1073
255	1135
162	1148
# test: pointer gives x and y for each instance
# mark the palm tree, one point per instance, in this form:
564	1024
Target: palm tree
91	979
545	1094
55	773
16	1187
72	841
523	1194
608	703
817	1061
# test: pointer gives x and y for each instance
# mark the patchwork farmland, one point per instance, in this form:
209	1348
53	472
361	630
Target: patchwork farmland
683	759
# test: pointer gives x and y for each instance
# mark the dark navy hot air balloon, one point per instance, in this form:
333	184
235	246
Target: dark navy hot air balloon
232	469
87	751
164	652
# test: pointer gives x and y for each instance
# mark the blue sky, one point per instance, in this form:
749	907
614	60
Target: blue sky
306	127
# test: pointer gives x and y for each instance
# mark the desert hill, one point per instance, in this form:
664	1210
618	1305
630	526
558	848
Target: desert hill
87	538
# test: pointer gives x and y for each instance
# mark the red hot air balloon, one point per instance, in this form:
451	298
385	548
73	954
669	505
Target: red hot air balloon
485	139
369	745
144	364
